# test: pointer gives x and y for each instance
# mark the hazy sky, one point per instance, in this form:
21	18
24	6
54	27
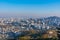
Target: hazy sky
29	8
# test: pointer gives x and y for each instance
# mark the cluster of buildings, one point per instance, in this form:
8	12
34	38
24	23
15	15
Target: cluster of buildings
13	27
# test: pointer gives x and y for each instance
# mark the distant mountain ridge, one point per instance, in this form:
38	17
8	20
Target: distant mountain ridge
53	20
53	17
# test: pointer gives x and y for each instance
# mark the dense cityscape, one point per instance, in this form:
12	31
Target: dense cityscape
29	19
30	28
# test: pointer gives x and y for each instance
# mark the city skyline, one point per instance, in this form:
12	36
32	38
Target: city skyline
29	8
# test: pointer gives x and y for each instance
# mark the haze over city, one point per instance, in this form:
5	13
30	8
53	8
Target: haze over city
29	8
